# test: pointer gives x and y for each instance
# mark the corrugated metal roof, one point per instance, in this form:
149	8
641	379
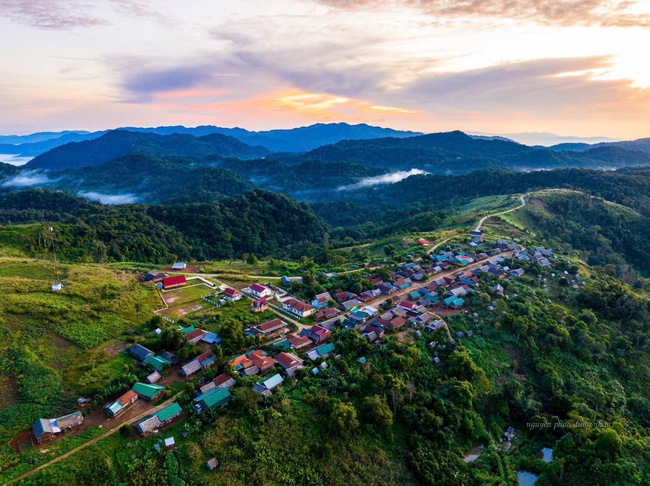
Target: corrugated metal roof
169	412
146	390
274	381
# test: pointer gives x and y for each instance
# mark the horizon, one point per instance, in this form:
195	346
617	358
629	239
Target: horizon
542	138
572	67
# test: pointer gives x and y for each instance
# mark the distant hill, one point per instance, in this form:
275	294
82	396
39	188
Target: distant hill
640	145
457	152
299	139
39	137
34	148
153	179
119	143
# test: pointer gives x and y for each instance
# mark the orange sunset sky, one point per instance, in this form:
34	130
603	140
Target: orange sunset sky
570	67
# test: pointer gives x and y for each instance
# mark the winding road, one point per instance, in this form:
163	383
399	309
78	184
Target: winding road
484	218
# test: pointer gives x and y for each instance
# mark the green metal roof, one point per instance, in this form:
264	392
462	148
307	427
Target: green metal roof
170	411
146	390
218	397
188	329
156	362
325	349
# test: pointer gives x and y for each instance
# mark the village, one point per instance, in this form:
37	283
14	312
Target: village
293	334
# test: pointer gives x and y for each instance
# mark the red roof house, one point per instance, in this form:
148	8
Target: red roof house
174	282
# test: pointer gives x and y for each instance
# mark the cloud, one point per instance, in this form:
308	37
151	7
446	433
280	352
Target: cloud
70	14
109	198
391	178
143	84
607	13
27	179
50	14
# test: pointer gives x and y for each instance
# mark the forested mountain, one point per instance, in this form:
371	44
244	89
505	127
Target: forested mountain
154	179
258	222
456	152
29	146
288	140
119	143
640	145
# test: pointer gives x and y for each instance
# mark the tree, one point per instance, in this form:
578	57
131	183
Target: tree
343	418
245	400
377	411
609	443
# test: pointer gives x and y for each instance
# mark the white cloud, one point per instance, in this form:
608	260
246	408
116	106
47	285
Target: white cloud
27	179
109	198
391	178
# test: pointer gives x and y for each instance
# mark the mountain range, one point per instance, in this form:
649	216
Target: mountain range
290	140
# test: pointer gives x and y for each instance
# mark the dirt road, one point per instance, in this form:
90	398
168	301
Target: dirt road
484	218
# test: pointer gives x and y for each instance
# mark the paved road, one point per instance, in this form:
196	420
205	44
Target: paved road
484	218
93	441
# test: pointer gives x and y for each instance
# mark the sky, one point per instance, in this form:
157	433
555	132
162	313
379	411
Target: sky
571	67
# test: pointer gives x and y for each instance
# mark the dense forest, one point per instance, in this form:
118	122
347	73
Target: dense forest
257	222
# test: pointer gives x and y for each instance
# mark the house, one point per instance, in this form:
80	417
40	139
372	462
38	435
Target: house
298	308
366	295
156	363
212	464
298	342
206	359
402	283
261	360
211	338
154	277
435	325
179	266
232	295
498	289
191	367
244	365
454	302
224	381
322	351
153	378
169	443
423	242
45	430
349	304
196	335
321	300
359	316
326	313
290	362
215	398
266	387
147	391
319	334
139	352
396	323
159	419
343	296
517	273
121	404
259	305
174	282
169	356
267	328
408	306
260	291
387	289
